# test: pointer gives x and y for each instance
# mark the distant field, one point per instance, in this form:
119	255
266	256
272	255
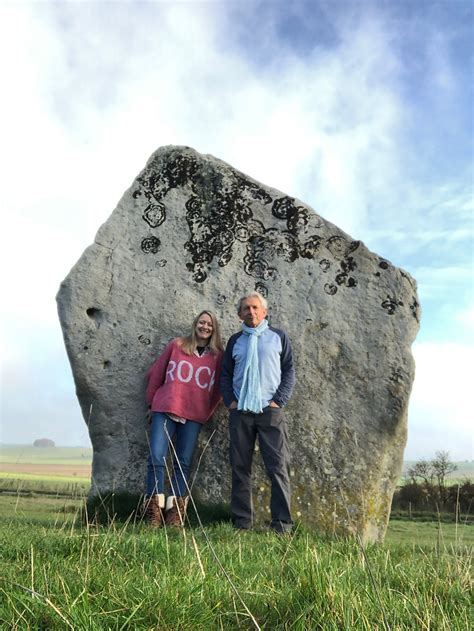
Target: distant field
64	464
429	533
48	470
74	463
83	455
26	454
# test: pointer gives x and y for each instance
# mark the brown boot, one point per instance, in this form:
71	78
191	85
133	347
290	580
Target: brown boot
176	510
153	509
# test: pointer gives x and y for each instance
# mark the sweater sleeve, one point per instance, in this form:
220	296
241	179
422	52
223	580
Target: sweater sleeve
227	372
157	373
287	383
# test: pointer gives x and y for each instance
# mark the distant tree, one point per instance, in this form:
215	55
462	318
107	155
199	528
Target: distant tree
412	495
428	483
461	496
442	467
44	442
422	470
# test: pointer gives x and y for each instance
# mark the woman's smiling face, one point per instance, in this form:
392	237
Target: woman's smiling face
204	328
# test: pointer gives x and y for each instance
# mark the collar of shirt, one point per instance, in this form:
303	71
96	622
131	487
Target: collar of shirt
206	351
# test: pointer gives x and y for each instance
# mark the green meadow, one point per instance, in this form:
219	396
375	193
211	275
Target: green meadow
57	571
60	570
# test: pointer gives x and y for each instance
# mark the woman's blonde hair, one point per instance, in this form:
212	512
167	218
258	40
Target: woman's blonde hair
189	343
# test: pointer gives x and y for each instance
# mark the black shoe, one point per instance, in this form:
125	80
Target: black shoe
241	528
281	528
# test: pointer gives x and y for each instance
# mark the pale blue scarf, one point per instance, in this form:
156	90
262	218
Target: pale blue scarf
250	399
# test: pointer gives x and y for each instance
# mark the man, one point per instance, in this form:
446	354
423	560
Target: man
257	381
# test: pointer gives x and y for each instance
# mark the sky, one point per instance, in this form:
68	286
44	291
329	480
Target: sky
363	110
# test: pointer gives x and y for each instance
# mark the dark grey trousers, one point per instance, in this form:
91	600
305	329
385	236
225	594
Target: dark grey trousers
270	427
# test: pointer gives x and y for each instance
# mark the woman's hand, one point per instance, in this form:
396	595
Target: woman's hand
272	404
233	405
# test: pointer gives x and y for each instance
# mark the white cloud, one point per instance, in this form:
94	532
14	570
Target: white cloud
436	277
324	128
440	414
466	318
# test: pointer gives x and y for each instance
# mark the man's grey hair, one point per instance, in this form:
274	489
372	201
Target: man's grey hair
253	294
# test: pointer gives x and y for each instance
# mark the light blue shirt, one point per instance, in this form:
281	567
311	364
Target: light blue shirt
269	348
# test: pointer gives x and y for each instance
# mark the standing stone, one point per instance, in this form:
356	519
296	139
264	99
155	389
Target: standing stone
194	233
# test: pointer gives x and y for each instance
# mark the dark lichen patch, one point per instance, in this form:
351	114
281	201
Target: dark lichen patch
155	215
150	245
330	289
221	219
263	289
348	264
398	375
390	304
219	213
415	309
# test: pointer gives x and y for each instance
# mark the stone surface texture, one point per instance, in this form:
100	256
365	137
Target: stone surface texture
192	233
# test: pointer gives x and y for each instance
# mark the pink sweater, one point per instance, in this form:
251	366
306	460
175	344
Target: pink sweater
184	385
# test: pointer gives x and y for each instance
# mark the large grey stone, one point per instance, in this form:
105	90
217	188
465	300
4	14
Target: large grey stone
192	233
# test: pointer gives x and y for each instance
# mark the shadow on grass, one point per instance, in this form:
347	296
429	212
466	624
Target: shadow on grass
127	507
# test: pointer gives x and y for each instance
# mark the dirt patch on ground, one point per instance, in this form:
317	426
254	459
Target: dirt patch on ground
79	470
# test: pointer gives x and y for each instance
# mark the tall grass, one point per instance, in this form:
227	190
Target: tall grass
57	573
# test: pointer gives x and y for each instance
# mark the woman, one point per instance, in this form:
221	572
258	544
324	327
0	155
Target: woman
182	393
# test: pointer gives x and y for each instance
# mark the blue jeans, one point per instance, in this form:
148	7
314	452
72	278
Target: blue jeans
162	431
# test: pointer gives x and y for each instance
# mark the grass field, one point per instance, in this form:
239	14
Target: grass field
36	508
57	572
26	454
